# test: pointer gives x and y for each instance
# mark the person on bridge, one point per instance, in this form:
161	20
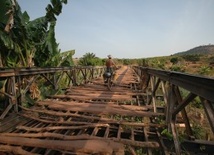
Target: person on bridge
110	67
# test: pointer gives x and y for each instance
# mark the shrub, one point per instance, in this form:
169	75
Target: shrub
191	57
177	68
174	60
204	70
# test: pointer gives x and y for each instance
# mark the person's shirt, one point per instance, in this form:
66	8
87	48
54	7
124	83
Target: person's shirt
109	63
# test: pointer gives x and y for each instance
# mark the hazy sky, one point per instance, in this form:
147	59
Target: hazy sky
130	28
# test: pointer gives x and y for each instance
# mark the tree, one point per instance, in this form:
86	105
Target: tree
90	59
66	58
23	41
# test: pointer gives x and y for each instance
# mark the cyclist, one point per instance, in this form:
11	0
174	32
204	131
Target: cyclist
110	65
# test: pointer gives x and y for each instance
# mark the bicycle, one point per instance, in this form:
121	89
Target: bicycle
108	79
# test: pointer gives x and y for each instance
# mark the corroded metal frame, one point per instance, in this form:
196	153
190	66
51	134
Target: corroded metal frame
170	83
18	81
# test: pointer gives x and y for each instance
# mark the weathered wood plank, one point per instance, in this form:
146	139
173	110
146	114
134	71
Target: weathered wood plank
14	150
66	138
103	110
84	146
101	119
121	98
94	105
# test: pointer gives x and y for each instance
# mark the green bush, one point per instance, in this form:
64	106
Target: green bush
204	70
174	60
191	57
177	68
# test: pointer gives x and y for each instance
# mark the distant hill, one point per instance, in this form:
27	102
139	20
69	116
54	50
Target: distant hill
205	49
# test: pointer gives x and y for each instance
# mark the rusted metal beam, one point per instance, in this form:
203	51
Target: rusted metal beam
209	110
183	112
183	104
202	86
171	119
154	87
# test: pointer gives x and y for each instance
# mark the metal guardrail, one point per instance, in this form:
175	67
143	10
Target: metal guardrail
16	83
172	85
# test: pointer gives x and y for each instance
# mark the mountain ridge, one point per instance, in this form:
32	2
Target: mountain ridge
203	49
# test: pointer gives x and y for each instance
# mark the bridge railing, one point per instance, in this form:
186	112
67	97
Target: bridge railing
178	91
21	85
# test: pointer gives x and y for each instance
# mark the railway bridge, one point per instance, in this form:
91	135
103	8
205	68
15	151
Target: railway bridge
69	110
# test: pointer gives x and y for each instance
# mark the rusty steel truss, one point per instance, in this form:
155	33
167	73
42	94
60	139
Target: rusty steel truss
17	82
147	112
179	91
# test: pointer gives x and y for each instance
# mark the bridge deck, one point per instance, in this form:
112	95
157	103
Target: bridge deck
87	119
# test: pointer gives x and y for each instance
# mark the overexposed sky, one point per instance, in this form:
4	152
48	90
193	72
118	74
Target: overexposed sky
130	28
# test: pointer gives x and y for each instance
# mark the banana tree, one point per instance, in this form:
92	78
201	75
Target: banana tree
66	58
22	40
